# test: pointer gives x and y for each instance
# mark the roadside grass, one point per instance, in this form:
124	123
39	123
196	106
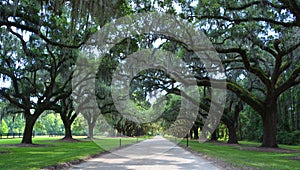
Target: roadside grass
246	159
52	151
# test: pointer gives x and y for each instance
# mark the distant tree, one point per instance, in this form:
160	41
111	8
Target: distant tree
3	127
67	114
79	126
48	123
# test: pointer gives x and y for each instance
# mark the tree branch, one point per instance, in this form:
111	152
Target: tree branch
39	33
242	93
244	6
258	72
291	81
241	20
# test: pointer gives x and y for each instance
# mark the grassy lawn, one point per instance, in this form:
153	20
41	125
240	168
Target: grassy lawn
245	158
55	152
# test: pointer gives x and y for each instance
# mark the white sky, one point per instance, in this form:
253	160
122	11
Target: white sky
5	84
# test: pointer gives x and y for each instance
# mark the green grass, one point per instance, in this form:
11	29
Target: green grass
53	153
246	158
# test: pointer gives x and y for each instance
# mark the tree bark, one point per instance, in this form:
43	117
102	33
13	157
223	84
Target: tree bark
67	125
269	126
232	127
196	133
68	132
30	121
214	136
297	118
232	135
91	130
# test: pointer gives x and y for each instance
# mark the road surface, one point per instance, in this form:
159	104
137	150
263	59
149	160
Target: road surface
152	154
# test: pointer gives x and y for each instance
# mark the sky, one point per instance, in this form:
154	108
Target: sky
4	84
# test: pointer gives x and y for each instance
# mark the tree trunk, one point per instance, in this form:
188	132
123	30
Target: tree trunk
293	121
232	135
68	132
232	127
269	126
67	125
214	136
196	133
27	136
241	135
293	111
297	120
91	130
